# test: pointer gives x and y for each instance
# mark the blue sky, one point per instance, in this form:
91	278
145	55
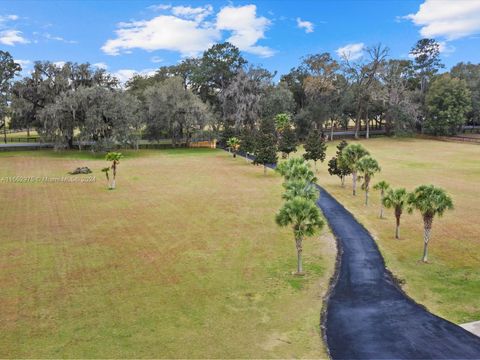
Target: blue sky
139	36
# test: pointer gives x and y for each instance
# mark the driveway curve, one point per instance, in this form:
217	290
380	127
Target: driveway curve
368	316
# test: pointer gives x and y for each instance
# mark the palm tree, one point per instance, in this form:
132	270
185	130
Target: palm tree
383	186
304	217
106	170
430	201
349	158
301	172
396	199
300	188
367	167
115	158
284	167
296	169
233	144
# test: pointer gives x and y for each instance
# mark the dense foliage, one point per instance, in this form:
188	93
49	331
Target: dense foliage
219	95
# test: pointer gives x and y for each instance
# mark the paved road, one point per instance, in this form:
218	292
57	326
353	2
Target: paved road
369	317
25	145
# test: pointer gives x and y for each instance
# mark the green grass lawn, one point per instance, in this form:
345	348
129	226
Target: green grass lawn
450	284
182	260
20	134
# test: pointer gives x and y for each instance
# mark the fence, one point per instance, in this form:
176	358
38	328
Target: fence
143	144
456	138
22	139
204	144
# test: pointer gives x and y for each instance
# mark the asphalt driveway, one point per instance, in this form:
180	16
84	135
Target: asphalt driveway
369	317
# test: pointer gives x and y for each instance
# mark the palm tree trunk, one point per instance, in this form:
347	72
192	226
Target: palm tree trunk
315	165
114	171
381	205
397	228
427	230
264	170
342	179
366	196
354	185
298	243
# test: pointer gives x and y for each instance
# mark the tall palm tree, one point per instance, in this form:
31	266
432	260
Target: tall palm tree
396	199
383	186
430	201
349	158
367	167
233	144
300	188
304	217
115	158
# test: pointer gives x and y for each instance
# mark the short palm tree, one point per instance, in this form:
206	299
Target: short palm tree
107	176
300	188
233	144
396	199
430	201
301	172
115	158
349	158
367	167
383	186
304	217
285	166
296	169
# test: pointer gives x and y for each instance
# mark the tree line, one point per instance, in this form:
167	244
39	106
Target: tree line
221	95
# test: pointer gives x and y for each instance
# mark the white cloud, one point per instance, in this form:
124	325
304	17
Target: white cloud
304	24
100	65
351	51
448	19
188	31
123	75
59	63
198	14
445	48
246	28
162	32
12	37
11	17
160	7
156	59
58	38
23	63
